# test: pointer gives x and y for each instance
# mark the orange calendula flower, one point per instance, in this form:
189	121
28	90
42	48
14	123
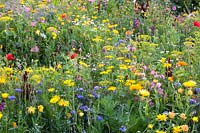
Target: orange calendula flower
185	128
181	63
14	124
172	115
64	15
182	116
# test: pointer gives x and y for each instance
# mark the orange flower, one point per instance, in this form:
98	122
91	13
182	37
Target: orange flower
14	124
181	63
129	32
64	15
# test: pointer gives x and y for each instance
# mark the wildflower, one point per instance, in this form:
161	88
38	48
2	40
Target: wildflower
190	92
112	88
189	84
150	126
144	93
84	108
4	95
171	115
161	117
182	116
9	56
2	105
51	89
69	83
197	24
99	118
35	49
40	108
73	55
197	90
81	114
136	23
36	78
64	15
160	131
180	90
54	99
184	128
192	101
1	115
80	96
31	110
73	112
123	129
33	23
2	80
5	19
176	129
63	103
135	87
12	98
18	90
14	124
195	119
173	8
181	63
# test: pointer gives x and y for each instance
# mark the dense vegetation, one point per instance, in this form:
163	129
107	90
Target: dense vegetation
86	66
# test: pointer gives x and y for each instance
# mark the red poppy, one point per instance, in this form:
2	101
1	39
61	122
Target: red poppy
73	55
64	15
197	24
9	56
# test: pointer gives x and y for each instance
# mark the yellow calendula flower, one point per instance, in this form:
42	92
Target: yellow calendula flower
36	78
51	89
63	103
3	80
123	67
176	129
150	126
54	99
4	95
1	115
161	117
112	88
135	87
195	119
40	108
69	82
189	84
5	19
129	82
144	93
54	35
31	110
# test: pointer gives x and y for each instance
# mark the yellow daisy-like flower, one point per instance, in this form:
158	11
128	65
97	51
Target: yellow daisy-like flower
4	95
112	88
1	115
3	80
195	119
40	108
51	89
150	126
54	99
69	82
135	87
189	84
144	93
161	117
176	129
31	110
63	103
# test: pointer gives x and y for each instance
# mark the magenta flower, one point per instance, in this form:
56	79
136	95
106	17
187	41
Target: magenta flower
35	49
33	23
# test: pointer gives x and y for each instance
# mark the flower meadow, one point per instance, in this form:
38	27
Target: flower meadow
99	66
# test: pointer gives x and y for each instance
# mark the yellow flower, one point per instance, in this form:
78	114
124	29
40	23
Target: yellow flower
63	103
190	92
167	65
172	115
180	90
40	108
51	89
5	19
69	82
36	78
150	126
54	35
135	87
31	110
185	128
3	80
2	6
116	32
112	88
55	99
181	63
83	64
144	93
123	67
14	124
80	113
161	117
1	115
176	129
195	119
4	95
182	116
129	82
189	84
158	131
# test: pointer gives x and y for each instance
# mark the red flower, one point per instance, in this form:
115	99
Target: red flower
73	55
197	24
9	56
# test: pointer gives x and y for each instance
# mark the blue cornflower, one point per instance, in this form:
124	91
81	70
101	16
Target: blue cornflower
123	129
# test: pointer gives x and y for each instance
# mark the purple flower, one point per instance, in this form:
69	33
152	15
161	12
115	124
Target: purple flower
84	108
2	106
39	91
73	112
18	90
136	23
35	49
80	89
12	98
123	129
33	23
173	8
99	118
96	88
192	101
80	97
197	90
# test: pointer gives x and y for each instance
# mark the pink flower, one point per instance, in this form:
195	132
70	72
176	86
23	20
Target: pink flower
35	49
33	23
27	9
91	0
